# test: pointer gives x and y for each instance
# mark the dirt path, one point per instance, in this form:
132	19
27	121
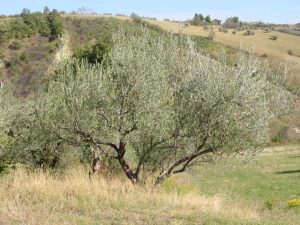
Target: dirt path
64	51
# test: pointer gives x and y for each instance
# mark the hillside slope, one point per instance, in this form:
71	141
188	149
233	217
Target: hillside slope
276	51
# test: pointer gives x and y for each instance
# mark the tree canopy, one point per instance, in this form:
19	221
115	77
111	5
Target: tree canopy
157	104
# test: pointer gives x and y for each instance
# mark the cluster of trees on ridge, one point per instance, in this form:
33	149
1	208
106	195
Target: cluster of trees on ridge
47	23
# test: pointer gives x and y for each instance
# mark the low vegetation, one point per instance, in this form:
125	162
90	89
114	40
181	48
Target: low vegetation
249	33
28	42
235	193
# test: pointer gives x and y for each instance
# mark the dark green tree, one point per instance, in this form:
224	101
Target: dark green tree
46	11
55	23
95	53
208	19
201	17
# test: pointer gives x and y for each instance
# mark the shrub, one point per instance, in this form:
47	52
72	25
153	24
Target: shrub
18	29
234	32
5	164
95	53
15	45
271	203
134	16
13	62
211	34
290	52
23	57
264	55
274	37
55	24
2	56
249	33
294	202
280	136
53	45
232	22
225	31
268	30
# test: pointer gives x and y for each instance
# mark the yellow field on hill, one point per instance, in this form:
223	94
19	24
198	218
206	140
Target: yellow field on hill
277	51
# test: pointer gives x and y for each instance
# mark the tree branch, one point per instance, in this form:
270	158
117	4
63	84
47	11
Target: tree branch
89	139
192	157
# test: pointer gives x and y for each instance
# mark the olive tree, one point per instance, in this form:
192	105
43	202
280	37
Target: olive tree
162	102
7	103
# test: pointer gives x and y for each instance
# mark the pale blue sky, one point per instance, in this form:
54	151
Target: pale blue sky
279	11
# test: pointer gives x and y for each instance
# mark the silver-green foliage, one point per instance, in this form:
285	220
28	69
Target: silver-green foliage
165	101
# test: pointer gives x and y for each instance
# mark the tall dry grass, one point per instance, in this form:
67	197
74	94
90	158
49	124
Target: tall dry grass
43	198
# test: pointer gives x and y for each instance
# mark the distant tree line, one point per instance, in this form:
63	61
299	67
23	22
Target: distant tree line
200	19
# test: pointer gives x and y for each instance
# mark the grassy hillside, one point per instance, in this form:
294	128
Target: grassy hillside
21	66
276	51
256	193
27	46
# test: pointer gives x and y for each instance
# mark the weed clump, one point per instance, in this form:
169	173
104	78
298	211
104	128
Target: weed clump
294	202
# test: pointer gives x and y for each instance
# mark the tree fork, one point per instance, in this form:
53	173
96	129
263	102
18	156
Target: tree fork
185	161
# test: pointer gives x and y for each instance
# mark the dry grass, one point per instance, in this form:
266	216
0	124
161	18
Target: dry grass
41	198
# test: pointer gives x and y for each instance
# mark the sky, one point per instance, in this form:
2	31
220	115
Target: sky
276	11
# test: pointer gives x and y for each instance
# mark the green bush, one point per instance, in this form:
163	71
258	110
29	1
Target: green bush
95	53
268	30
249	33
55	24
5	164
211	34
53	45
13	62
2	56
23	57
272	202
19	30
15	45
5	160
274	37
280	136
294	202
290	52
